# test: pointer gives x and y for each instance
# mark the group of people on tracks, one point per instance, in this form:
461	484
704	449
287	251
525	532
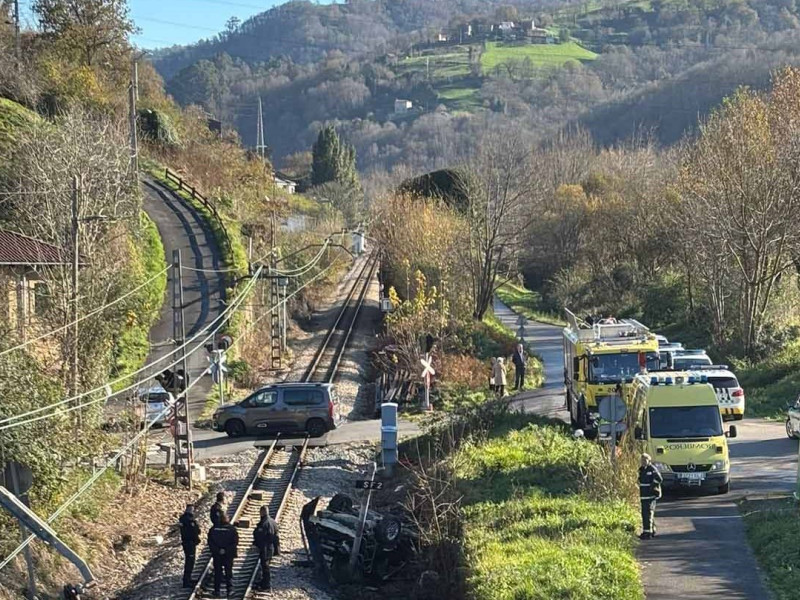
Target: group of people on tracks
223	542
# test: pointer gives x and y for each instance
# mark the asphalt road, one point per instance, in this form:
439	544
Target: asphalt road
701	550
181	227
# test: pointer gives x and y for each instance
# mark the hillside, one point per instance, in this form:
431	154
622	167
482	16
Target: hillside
615	67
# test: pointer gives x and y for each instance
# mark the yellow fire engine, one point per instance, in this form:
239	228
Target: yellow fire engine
600	358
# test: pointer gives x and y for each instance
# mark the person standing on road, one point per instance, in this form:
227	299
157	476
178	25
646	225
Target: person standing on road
190	538
218	509
223	540
519	359
649	493
500	377
266	539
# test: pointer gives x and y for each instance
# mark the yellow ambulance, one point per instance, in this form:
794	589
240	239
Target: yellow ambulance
679	424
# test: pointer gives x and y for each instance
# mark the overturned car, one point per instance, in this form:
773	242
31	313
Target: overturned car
388	542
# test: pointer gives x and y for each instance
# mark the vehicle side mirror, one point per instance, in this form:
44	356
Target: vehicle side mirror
731	433
576	368
638	433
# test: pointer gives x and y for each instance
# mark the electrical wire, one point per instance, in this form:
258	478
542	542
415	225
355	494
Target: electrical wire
302	270
87	315
109	463
231	270
233	306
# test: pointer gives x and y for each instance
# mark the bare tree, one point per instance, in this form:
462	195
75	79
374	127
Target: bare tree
498	181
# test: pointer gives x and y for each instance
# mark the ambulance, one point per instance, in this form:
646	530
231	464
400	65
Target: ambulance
679	425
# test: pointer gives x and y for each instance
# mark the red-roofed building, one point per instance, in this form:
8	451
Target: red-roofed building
21	260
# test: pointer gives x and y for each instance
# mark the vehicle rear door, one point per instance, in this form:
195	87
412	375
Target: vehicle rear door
302	404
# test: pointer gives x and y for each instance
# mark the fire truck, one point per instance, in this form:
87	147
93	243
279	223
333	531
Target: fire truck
602	356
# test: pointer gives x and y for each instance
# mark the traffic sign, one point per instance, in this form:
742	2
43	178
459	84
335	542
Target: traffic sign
605	428
612	409
218	368
366	484
428	371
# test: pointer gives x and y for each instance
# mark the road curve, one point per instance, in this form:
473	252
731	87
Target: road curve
182	227
701	551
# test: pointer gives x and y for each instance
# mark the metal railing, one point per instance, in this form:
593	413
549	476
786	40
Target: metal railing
196	195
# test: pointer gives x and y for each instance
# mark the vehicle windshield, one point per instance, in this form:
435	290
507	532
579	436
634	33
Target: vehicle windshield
683	363
685	422
723	382
614	368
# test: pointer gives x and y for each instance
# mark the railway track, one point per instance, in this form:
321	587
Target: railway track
271	479
326	361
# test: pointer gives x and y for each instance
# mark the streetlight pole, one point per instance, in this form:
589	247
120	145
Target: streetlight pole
75	231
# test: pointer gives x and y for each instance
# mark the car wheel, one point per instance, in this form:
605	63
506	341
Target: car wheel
789	430
341	503
316	428
387	532
724	489
234	428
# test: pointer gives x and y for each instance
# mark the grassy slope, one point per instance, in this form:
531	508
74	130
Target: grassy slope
526	302
773	528
540	55
771	383
133	343
530	532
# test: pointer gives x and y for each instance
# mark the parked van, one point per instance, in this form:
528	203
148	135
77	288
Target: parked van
279	408
680	426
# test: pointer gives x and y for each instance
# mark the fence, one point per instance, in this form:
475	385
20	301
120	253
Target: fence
196	195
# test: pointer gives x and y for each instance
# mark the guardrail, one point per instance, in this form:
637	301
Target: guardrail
196	195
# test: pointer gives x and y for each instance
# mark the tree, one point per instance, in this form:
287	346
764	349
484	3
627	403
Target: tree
333	160
499	182
88	30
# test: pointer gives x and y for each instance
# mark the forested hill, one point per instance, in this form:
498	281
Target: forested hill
614	66
305	32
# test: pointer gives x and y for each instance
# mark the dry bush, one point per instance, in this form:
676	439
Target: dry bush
462	369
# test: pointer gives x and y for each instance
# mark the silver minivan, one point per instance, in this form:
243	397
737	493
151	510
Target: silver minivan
279	408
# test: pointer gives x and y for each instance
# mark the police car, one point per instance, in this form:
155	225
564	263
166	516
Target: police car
688	360
729	393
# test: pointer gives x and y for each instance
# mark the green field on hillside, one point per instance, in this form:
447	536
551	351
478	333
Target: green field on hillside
446	65
540	55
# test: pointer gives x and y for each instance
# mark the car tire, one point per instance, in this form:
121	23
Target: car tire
789	431
724	489
387	532
341	503
316	428
234	428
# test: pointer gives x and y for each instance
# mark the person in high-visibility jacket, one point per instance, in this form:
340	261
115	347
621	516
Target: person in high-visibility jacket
649	493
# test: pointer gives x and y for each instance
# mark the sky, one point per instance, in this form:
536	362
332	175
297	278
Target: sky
168	22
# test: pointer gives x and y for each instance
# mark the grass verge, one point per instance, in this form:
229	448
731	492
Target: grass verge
533	526
133	343
770	384
773	529
527	303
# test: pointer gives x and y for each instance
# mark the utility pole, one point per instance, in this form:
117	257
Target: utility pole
133	94
15	486
17	40
182	435
274	300
74	346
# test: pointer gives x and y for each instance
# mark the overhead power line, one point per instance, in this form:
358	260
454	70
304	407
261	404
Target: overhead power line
232	307
87	315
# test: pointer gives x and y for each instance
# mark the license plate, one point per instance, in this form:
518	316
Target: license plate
692	476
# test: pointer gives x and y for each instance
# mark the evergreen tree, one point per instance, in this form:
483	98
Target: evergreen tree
333	160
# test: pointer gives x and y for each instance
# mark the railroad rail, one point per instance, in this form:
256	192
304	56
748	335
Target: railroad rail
269	484
326	361
271	479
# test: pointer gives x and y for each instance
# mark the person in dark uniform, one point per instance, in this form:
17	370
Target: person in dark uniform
218	508
190	538
519	359
223	540
266	539
649	493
